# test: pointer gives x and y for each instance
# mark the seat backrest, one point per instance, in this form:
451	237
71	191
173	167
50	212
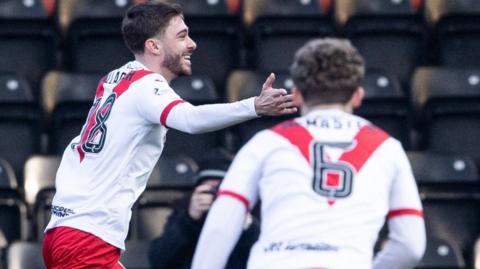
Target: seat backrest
435	83
173	170
206	8
18	10
63	87
196	89
437	10
441	253
245	83
381	84
8	180
15	89
135	255
39	173
25	255
430	167
346	9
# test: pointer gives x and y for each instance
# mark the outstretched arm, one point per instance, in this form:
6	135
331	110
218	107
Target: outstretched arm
204	118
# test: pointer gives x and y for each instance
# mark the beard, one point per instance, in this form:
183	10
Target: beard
173	63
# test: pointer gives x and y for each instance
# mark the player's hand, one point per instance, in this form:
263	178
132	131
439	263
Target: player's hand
201	201
272	101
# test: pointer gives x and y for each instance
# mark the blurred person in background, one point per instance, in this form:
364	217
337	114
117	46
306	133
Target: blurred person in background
174	248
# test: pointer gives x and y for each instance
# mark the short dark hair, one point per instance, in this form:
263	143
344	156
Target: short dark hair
327	70
143	21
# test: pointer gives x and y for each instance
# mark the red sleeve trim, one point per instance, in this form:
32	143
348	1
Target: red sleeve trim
404	211
166	111
235	195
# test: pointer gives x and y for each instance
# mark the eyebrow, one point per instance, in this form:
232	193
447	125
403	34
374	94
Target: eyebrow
182	31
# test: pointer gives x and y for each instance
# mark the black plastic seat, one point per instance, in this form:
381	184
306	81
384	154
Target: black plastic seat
280	27
25	255
447	102
28	39
441	254
94	41
386	105
216	27
135	255
20	121
196	89
390	35
456	31
173	171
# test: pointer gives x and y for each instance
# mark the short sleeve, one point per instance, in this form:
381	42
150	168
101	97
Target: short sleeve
155	99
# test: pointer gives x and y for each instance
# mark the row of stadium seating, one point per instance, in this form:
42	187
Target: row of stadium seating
440	114
448	185
397	36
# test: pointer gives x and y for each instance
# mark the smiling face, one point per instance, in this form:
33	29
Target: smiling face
177	47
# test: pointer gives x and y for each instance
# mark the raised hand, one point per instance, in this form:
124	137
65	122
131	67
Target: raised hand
273	101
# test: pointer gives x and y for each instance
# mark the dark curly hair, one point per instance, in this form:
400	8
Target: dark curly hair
327	70
143	21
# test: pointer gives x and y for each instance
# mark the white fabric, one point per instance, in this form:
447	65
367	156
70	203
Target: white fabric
299	228
95	193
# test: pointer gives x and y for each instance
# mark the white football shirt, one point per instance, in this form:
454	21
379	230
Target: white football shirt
327	181
105	169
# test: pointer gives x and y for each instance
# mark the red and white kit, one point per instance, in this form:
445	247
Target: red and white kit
327	182
105	169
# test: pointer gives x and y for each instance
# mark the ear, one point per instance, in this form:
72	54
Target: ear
152	46
297	97
357	98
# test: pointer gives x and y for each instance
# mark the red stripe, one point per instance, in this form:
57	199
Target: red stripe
235	195
297	135
404	211
126	81
368	139
100	89
166	111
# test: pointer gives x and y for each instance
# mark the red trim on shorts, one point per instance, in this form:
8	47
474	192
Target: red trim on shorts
65	247
237	196
404	211
166	111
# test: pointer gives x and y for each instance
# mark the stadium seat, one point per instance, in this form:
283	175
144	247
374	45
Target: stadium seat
13	219
280	27
196	89
93	32
441	254
173	171
193	145
386	105
389	34
135	255
19	121
66	100
152	210
433	168
244	84
40	171
25	255
447	102
216	27
28	39
8	180
456	31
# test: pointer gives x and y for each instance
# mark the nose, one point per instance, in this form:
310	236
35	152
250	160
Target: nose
191	44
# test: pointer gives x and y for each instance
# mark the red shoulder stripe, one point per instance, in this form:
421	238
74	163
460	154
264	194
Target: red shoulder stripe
297	135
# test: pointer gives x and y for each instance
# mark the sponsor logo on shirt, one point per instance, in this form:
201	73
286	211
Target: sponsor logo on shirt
298	246
61	211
